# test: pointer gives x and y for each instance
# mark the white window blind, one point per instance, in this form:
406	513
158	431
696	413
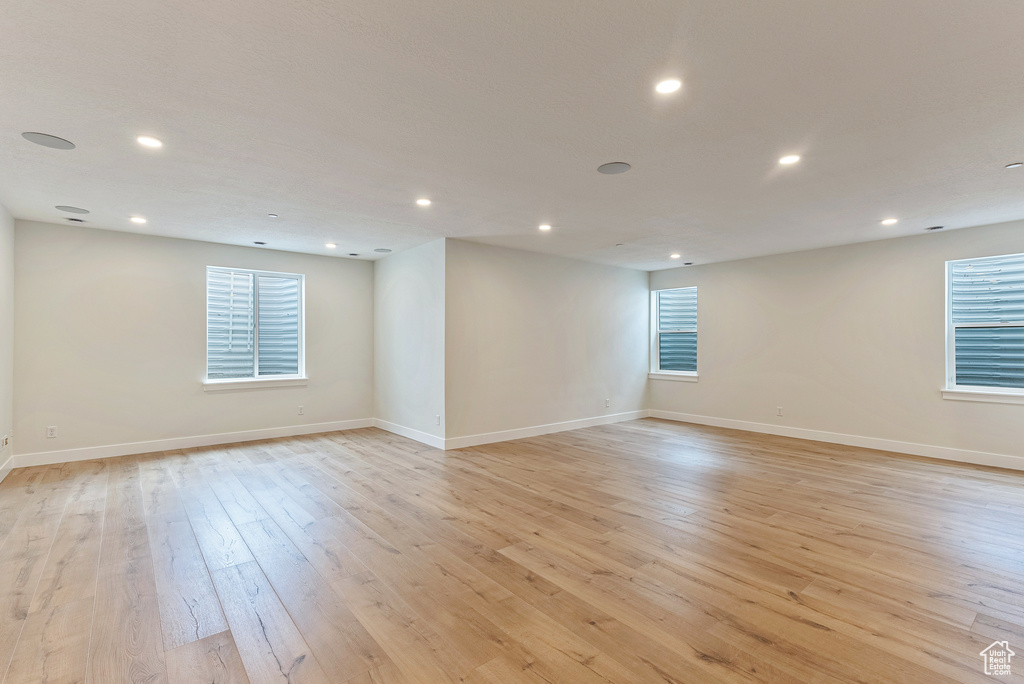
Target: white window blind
253	324
986	322
675	342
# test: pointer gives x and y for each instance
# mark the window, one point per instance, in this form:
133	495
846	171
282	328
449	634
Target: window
254	324
985	324
674	334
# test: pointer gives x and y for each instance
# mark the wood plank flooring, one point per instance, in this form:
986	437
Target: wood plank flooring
646	551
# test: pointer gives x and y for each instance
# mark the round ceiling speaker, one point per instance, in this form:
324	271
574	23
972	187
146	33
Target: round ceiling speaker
613	168
71	210
49	141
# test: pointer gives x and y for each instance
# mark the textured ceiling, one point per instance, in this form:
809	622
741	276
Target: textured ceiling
338	115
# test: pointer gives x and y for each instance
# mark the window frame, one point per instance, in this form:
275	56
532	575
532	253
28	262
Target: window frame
983	393
255	381
656	373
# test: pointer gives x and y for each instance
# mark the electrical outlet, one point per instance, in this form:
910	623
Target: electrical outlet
437	419
778	410
4	441
51	432
607	403
302	410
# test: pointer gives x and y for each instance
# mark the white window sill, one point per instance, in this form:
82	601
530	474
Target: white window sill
991	395
678	377
252	384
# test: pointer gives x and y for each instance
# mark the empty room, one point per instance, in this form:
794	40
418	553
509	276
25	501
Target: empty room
384	342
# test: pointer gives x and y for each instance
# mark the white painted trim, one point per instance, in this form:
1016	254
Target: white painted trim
252	384
107	451
419	436
928	450
536	430
678	377
110	450
992	396
7	467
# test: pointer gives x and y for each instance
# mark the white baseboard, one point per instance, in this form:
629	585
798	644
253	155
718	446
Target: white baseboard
536	430
931	451
7	467
505	435
109	450
419	436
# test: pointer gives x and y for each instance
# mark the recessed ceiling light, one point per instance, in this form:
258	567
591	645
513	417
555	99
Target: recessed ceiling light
149	141
259	243
71	210
49	141
382	250
612	168
1015	165
675	256
669	86
272	215
890	222
137	219
544	226
423	202
790	159
330	245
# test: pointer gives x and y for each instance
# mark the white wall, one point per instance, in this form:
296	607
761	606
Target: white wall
6	335
110	338
533	339
109	342
409	357
848	340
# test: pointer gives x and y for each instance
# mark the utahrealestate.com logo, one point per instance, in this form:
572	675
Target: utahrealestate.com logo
997	658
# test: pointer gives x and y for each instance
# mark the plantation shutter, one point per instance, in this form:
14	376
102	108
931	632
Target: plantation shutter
278	299
987	313
230	324
677	329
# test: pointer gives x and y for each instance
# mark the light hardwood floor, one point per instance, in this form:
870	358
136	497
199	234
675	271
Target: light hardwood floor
646	551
